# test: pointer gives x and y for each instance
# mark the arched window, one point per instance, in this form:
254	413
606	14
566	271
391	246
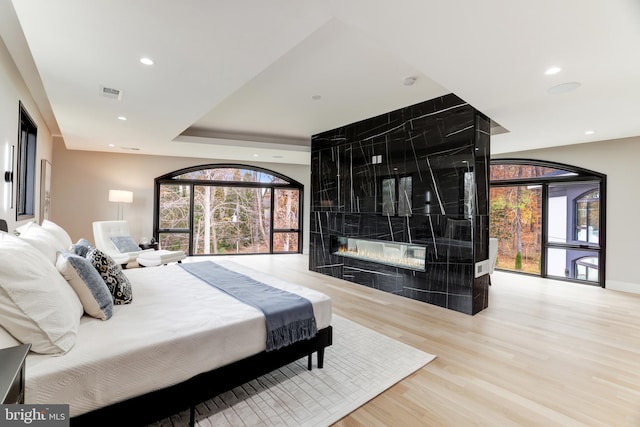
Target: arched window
228	209
549	219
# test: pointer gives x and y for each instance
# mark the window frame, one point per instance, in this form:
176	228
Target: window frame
25	179
288	183
581	175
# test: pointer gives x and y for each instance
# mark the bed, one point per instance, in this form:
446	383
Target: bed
178	342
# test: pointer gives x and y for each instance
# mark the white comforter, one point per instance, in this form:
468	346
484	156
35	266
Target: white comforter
175	328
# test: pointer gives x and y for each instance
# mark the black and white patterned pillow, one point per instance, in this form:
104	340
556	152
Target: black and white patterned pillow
112	274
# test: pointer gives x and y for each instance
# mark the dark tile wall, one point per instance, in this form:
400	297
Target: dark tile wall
442	145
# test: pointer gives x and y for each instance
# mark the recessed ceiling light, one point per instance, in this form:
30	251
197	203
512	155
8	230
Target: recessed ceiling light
123	118
146	61
112	145
316	97
552	70
563	88
589	132
255	155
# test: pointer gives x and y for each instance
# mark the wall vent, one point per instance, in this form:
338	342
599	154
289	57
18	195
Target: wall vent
111	93
482	268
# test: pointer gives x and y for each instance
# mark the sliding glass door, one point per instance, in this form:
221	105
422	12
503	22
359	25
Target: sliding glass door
516	220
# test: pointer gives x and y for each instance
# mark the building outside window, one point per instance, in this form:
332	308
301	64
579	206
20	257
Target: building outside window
587	217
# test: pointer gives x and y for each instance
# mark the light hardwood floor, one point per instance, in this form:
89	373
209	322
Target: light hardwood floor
545	353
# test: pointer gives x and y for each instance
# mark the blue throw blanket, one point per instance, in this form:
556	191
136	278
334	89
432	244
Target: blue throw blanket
289	317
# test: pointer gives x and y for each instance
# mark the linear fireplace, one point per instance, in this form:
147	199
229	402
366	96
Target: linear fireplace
396	254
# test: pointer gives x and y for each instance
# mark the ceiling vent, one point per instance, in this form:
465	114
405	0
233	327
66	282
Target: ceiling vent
111	93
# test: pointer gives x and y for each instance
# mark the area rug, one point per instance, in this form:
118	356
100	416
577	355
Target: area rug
359	365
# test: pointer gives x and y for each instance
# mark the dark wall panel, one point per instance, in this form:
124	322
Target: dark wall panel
418	175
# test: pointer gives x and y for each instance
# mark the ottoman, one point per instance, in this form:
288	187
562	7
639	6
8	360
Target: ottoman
161	257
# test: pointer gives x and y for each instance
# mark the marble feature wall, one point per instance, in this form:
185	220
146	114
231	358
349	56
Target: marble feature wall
417	175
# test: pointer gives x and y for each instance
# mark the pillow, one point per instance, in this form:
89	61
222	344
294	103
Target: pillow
6	339
23	228
81	247
58	232
124	244
43	241
112	274
88	284
37	305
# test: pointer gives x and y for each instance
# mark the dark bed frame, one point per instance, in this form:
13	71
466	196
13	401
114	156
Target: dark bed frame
159	404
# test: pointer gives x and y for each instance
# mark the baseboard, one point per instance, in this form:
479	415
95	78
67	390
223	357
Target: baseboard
615	285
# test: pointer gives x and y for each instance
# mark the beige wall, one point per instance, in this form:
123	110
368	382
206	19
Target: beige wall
618	159
81	181
13	90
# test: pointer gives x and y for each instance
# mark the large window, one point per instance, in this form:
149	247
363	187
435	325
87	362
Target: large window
228	209
548	219
26	176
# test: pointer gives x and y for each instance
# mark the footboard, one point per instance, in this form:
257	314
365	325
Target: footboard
156	405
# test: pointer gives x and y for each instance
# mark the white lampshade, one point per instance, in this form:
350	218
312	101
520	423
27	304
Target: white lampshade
120	196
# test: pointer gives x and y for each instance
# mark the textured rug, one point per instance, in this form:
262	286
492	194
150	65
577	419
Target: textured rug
359	365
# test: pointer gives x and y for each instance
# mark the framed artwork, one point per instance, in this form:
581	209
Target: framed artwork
45	190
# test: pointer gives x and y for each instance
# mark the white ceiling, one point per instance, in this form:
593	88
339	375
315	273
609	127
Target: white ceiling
236	79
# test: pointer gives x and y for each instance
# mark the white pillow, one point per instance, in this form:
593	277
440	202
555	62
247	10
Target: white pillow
24	227
60	234
37	305
6	340
43	240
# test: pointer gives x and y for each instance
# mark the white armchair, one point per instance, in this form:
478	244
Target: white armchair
104	231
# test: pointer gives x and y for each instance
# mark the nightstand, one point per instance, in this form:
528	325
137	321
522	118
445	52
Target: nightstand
12	368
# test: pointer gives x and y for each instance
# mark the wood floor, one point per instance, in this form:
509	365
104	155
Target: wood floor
545	353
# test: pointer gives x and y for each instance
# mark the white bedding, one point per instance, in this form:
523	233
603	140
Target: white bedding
175	328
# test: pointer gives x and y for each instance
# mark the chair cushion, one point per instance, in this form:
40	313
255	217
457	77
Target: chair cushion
125	244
